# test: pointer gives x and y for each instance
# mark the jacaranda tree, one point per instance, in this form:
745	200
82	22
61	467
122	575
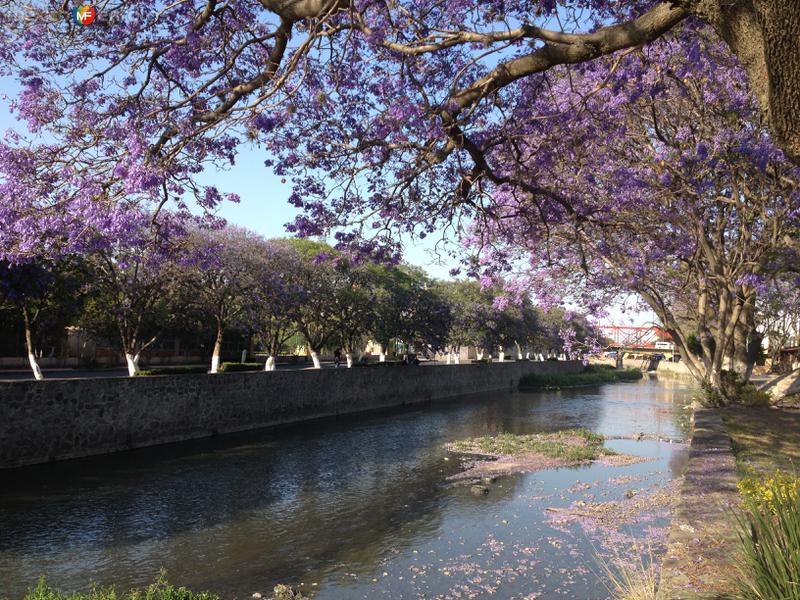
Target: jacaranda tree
133	106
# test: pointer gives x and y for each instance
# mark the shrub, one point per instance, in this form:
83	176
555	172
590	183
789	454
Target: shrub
231	367
387	363
732	390
159	590
590	376
770	540
763	491
184	370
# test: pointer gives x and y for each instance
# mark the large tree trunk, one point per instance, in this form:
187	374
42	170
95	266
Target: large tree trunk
349	357
765	37
315	359
37	371
270	364
217	348
743	353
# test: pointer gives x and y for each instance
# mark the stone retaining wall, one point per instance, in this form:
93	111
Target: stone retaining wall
41	421
678	369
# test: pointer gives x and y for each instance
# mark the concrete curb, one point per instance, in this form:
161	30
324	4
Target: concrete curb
702	540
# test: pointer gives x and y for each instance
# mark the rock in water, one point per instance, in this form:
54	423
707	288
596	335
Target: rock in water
479	490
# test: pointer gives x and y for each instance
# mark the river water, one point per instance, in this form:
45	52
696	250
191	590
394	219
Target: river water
350	508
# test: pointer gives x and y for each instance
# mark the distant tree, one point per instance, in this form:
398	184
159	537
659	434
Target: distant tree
276	295
321	274
132	290
44	297
778	315
221	272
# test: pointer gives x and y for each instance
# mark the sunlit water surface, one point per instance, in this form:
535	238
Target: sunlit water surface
354	508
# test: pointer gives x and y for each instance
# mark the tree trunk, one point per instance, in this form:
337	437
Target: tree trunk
217	349
382	354
765	37
501	356
478	354
37	371
745	344
349	358
449	355
270	364
132	360
457	357
315	359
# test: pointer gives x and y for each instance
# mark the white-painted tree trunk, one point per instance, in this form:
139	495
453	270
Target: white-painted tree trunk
315	360
382	354
501	356
244	355
349	358
449	356
457	357
37	371
527	355
217	349
479	354
270	364
132	360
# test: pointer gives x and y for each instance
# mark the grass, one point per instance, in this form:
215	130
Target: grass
569	444
593	375
635	579
161	589
764	440
185	370
231	367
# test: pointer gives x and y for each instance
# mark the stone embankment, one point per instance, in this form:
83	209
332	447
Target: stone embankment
42	421
702	540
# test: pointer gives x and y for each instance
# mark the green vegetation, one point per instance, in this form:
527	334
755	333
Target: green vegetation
733	390
183	370
764	440
231	367
770	539
593	375
387	363
630	579
570	444
159	590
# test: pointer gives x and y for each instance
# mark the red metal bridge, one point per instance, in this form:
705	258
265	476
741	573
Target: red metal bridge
633	337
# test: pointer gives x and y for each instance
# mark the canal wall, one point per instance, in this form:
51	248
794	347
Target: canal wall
49	420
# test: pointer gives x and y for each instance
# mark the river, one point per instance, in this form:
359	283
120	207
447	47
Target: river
352	508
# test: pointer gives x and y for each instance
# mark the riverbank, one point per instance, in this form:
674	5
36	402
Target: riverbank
730	448
591	375
45	421
702	543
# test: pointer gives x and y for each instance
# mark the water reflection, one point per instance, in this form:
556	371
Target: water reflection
338	503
